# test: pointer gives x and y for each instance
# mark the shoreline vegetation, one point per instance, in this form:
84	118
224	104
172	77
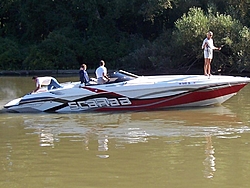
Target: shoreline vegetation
91	71
75	72
137	35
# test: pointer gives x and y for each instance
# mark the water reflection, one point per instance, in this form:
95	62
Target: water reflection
209	161
8	166
128	128
46	137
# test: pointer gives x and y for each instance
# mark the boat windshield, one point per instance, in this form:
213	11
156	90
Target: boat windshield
121	76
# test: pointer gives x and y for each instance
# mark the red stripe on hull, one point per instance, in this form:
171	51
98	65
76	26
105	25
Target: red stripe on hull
182	99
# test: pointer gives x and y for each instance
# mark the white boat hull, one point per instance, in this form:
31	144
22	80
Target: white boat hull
142	93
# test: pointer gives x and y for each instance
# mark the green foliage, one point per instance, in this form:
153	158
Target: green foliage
153	8
10	55
241	49
191	30
139	59
58	51
237	9
191	27
140	34
104	47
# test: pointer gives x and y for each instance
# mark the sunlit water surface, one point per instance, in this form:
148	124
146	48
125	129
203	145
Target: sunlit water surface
198	147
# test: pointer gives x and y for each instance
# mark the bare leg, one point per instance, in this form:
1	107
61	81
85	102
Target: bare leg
209	66
205	66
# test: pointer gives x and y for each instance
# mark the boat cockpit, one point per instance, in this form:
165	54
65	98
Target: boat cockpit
121	76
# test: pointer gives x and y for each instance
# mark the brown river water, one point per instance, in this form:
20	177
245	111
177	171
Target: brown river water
189	148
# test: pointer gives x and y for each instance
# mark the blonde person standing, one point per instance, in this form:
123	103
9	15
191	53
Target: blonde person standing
208	46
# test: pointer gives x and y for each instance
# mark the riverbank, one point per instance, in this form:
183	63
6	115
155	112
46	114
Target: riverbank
90	71
37	72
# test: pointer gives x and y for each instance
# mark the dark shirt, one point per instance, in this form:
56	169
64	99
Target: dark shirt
84	78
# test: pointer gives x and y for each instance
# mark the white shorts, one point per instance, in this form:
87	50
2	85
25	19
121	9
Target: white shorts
208	53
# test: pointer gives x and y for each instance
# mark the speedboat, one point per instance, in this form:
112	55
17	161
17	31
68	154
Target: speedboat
129	92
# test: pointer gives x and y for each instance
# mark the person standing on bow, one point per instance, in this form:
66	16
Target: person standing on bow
208	46
84	77
49	81
101	73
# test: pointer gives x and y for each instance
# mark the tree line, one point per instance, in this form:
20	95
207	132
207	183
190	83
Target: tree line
135	34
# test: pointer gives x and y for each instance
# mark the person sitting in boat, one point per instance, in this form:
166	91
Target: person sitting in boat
49	81
101	73
84	77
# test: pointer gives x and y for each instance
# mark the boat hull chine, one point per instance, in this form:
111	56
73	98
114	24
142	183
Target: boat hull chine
200	97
